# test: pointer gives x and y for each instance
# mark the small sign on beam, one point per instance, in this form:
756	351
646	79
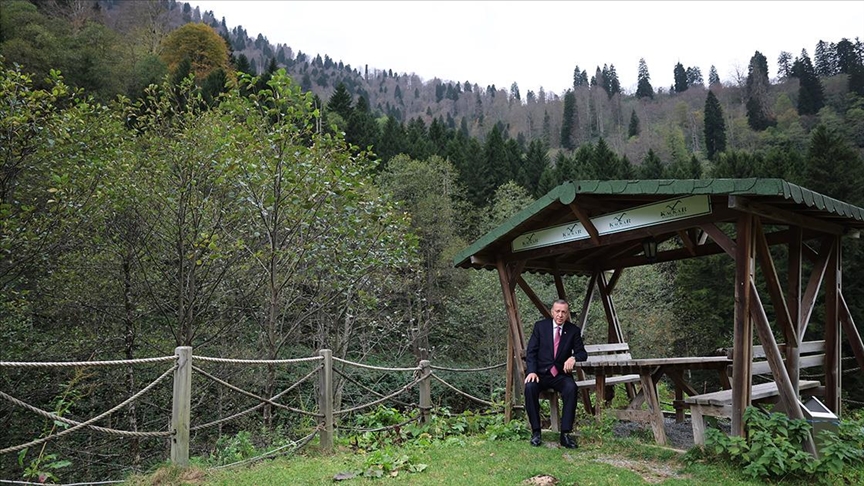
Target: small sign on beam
633	218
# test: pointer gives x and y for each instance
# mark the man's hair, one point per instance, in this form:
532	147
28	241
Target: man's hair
560	301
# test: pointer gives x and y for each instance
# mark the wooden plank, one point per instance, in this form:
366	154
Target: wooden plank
783	216
607	348
515	326
806	347
743	331
809	300
721	238
585	219
687	241
586	304
559	285
833	283
793	299
851	331
787	392
614	333
769	271
533	297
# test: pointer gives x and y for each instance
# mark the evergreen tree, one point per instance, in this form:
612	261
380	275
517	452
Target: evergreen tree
605	162
680	78
644	89
856	79
846	56
694	77
612	81
362	128
568	121
811	97
514	92
823	58
713	77
784	65
340	102
547	182
715	126
536	162
834	167
652	166
633	129
392	140
759	114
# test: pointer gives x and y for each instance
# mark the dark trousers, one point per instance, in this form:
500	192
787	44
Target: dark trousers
564	385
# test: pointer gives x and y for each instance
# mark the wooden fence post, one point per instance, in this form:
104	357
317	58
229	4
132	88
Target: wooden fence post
425	390
182	403
325	399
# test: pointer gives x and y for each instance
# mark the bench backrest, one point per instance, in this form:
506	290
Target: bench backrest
608	352
811	354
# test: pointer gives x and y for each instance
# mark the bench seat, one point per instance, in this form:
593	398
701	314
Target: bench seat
719	403
596	352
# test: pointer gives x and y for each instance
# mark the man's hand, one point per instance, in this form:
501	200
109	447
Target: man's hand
569	364
532	377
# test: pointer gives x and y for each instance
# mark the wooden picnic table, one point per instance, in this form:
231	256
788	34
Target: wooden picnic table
650	372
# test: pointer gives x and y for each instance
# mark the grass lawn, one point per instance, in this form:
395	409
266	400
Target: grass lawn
473	460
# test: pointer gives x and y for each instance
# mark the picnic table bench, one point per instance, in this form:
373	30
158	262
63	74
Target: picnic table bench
596	353
719	403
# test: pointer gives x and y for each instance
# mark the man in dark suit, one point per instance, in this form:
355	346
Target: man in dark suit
554	347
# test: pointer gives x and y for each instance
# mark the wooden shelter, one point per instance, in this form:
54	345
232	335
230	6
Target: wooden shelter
599	228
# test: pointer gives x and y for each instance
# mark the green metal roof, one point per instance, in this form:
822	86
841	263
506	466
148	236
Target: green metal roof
795	198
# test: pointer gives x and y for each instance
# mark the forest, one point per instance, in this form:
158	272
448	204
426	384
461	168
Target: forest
167	181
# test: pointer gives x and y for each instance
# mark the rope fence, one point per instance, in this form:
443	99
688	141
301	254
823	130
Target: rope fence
183	368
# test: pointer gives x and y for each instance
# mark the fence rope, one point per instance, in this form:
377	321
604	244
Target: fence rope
256	407
252	395
94	419
381	429
382	399
479	400
256	361
52	416
400	402
6	481
465	370
300	443
60	364
370	367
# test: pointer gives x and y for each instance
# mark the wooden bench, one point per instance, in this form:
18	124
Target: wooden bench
596	352
719	404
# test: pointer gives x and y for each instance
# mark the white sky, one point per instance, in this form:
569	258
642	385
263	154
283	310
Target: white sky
539	43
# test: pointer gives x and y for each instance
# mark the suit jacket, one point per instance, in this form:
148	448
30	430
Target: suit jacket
538	355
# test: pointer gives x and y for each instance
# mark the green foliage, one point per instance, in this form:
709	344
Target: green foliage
773	449
389	463
715	126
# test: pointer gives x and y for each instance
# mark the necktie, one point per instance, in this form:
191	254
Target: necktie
557	340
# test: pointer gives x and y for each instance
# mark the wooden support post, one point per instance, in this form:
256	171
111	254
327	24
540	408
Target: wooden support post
181	406
743	334
786	389
793	303
508	386
851	331
425	387
515	335
832	329
325	399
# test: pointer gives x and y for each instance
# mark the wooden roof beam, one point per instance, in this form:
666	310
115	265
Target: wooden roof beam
586	223
776	214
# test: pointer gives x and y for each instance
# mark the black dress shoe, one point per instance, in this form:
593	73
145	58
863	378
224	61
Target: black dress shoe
535	439
568	442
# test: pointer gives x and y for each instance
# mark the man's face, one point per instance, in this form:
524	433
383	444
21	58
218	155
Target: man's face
560	313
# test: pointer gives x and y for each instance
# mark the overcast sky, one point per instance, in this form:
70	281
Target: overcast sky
540	43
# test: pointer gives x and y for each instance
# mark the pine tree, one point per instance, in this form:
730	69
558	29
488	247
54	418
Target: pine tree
568	121
536	162
340	102
759	114
811	97
644	89
694	77
846	56
612	81
823	62
713	77
680	78
633	129
784	64
834	168
715	126
652	166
